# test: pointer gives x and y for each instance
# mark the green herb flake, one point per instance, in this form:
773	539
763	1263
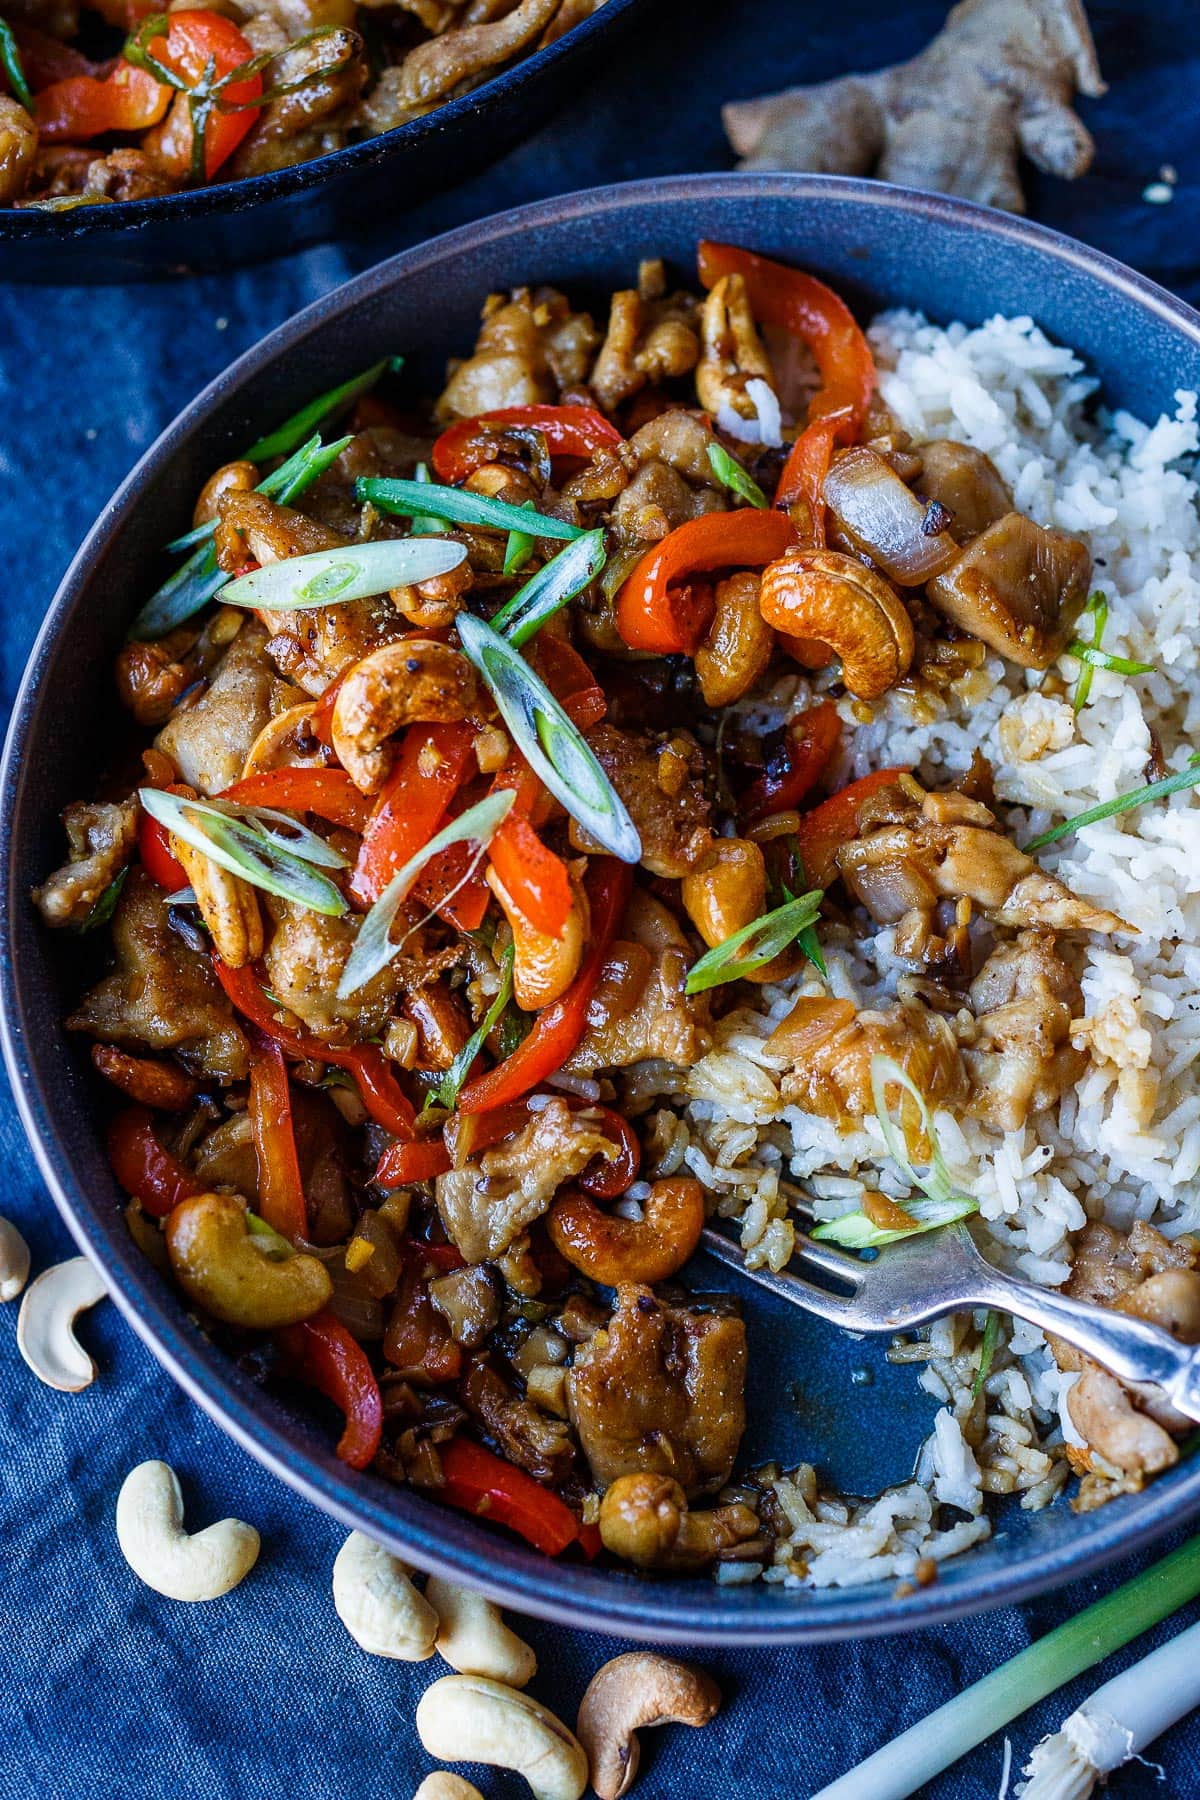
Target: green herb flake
447	1092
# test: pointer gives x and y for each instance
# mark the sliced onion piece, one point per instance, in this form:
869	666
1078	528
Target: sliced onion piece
352	572
373	947
555	749
881	515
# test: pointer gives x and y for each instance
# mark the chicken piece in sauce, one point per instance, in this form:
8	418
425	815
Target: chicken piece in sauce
101	835
1022	1060
1153	1278
485	1206
662	785
830	1047
640	1007
162	994
661	1389
209	740
1019	587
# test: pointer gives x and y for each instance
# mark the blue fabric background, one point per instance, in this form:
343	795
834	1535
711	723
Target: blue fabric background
108	1691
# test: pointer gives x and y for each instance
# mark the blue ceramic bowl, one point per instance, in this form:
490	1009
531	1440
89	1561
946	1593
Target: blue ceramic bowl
815	1394
234	222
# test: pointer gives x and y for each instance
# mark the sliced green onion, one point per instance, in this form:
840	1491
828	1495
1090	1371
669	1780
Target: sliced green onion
519	548
854	1231
192	586
730	473
246	848
1101	659
411	499
373	947
446	1094
284	484
808	941
10	62
515	1027
1097	610
940	1203
760	941
555	749
269	1241
987	1352
424	524
289	834
352	572
910	1761
293	431
104	907
547	592
1108	809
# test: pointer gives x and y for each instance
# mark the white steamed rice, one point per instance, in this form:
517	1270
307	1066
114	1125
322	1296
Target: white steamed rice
1125	1144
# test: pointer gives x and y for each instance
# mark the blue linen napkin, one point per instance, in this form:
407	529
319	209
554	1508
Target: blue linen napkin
109	1692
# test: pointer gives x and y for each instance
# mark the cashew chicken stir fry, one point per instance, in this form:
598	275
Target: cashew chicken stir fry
458	834
128	99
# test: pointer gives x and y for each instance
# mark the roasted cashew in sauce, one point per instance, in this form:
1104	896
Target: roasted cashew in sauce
610	1249
828	599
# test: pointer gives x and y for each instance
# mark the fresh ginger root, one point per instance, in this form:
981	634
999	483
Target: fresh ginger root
998	80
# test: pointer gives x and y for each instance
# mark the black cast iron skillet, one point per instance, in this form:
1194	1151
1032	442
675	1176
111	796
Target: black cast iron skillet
815	1394
236	222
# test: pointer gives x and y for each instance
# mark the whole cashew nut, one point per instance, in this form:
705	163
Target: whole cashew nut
220	1266
738	644
45	1334
628	1694
442	1785
158	1549
644	1519
834	603
464	1718
610	1249
378	1604
228	905
14	1261
413	681
473	1638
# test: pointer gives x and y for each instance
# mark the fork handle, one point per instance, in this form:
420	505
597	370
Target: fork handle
1130	1348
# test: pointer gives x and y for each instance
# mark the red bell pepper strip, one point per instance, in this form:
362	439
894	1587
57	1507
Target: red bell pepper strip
325	1356
320	720
804	472
433	763
418	1344
144	1169
204	49
478	1482
443	1257
280	1186
577	431
660	610
558	1028
810	745
423	1160
154	850
608	1180
381	1093
823	831
570	680
799	303
448	887
329	793
534	878
84	106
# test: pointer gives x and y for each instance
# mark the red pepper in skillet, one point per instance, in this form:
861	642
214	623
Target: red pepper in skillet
322	1354
478	1482
144	1168
661	609
577	431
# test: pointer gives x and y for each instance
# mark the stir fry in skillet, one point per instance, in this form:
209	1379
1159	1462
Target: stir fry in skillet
497	756
167	99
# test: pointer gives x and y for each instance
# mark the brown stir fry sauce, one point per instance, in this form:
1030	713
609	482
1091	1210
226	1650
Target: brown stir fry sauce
383	1111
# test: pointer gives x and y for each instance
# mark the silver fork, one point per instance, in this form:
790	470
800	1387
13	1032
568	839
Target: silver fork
923	1278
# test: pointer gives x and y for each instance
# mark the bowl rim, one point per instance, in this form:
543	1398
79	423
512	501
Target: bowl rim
419	1529
192	206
